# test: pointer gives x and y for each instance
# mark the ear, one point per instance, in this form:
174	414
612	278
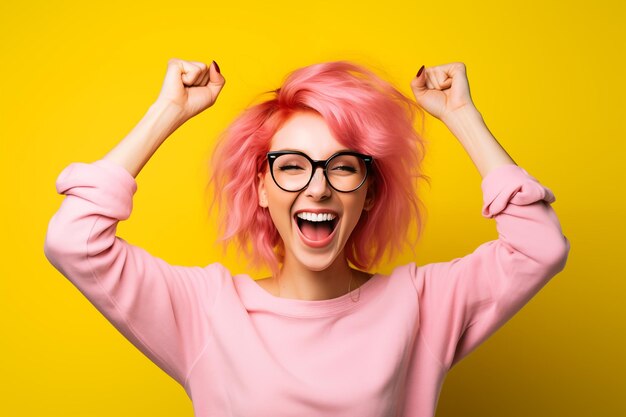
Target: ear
262	191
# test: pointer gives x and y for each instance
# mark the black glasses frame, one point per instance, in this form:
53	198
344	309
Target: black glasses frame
367	159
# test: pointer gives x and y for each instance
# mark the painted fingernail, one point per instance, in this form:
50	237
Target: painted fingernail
217	67
420	71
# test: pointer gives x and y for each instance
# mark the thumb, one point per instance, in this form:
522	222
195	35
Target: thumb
418	83
216	79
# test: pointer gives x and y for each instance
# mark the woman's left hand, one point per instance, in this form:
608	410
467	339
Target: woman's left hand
442	90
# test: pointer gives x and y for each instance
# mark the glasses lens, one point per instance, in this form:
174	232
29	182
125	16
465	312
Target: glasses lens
291	172
346	172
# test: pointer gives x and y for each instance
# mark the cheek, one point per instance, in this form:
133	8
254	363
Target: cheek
279	205
355	209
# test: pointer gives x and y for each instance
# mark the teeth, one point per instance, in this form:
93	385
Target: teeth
313	217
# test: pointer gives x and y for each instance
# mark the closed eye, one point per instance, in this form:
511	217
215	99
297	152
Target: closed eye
289	167
345	168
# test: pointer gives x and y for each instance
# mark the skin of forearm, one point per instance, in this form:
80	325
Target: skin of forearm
134	151
468	126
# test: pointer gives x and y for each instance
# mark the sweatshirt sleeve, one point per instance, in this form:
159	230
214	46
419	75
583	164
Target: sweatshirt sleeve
464	301
160	308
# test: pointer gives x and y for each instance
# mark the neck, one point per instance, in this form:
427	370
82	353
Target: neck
297	281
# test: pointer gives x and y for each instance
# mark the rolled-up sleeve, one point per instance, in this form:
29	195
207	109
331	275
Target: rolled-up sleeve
161	308
464	301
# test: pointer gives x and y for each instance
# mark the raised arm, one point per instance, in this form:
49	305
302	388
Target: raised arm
443	91
157	306
188	89
464	301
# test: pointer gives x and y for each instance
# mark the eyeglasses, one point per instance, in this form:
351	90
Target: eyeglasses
344	171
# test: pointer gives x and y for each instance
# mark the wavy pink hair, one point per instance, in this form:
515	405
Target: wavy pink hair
364	113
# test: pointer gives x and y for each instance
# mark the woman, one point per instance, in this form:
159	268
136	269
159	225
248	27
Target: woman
319	182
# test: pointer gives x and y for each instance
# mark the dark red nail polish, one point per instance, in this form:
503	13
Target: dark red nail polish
217	67
420	71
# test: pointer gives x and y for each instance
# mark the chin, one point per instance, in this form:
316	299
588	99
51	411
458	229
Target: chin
316	262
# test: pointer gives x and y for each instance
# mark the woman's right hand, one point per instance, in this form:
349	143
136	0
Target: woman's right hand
192	86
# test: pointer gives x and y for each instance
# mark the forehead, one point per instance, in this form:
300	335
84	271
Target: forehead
306	132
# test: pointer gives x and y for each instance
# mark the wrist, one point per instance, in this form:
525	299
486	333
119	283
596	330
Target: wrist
168	111
465	115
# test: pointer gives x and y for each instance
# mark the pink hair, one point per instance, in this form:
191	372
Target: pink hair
364	113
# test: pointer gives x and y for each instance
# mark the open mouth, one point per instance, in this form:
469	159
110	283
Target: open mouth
316	231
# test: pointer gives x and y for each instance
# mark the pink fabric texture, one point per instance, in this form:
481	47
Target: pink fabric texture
239	351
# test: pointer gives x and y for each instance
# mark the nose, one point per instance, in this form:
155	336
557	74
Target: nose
318	188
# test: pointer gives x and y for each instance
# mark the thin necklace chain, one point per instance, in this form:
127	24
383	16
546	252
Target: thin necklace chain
358	295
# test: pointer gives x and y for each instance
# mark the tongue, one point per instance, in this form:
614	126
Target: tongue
316	230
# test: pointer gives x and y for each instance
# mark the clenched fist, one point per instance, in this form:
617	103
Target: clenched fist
443	89
192	86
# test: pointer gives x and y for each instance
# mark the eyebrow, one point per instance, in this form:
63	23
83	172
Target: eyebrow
300	150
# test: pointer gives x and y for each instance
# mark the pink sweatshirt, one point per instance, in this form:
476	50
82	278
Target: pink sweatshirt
239	351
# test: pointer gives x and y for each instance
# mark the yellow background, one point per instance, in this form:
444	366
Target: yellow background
548	78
